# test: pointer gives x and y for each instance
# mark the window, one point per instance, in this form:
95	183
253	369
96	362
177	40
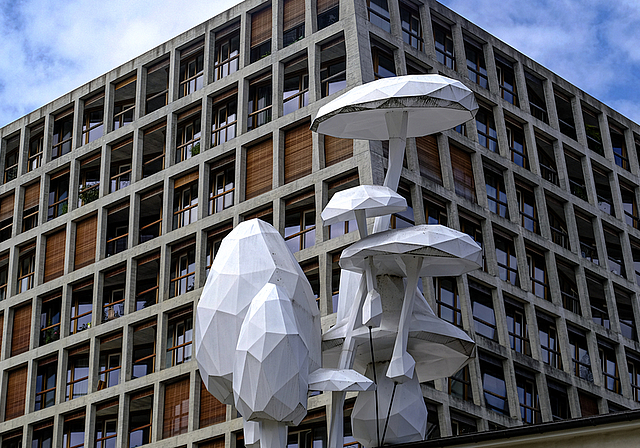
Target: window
77	372
342	228
565	114
603	191
46	383
506	80
191	69
460	385
576	176
517	328
300	223
225	118
14	402
630	206
625	315
117	233
11	158
140	413
559	400
634	377
157	94
62	134
527	208
557	223
411	26
211	410
106	428
580	355
588	248
222	185
328	12
435	210
487	134
214	239
259	169
462	173
549	341
620	156
515	137
81	306
124	103
568	287
89	186
484	318
50	318
55	255
110	361
153	149
383	63
333	67
379	14
179	338
494	386
535	92
528	398
448	300
93	118
259	107
295	94
26	267
496	192
298	149
144	349
476	67
36	145
185	200
312	272
592	129
538	274
4	271
113	293
227	51
176	408
58	195
609	366
150	222
260	34
292	21
6	216
405	218
43	436
183	268
188	135
472	227
73	431
546	158
147	281
336	150
444	45
335	281
614	251
429	158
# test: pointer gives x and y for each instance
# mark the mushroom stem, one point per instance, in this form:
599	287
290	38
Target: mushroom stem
361	219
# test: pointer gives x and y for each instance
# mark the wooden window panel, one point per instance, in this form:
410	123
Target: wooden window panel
21	333
298	149
176	409
462	173
6	207
16	393
259	169
293	14
429	158
32	196
211	410
86	234
260	26
54	255
215	443
337	149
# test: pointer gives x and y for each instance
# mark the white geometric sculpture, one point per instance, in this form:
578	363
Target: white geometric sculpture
339	380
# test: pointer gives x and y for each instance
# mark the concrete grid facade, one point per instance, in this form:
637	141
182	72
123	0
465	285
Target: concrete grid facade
545	178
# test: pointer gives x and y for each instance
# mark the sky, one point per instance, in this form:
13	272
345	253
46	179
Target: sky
49	48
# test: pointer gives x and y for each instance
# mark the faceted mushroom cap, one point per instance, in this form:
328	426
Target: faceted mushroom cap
374	200
434	103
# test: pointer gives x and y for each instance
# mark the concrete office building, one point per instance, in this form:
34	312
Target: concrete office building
115	196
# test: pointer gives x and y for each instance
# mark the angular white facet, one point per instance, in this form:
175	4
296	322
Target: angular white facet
332	380
375	200
435	103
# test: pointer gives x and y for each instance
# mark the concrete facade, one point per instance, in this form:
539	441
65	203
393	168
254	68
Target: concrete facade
590	309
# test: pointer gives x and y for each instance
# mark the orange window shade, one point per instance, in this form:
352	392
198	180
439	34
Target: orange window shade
259	169
260	26
429	158
21	330
16	393
462	173
337	149
325	5
32	196
6	207
297	153
86	234
176	408
215	443
211	410
293	14
54	255
184	180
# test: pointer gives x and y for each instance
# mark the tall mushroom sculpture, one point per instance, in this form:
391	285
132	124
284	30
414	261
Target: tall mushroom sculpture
394	109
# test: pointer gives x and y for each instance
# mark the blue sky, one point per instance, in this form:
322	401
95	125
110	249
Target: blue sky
49	48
